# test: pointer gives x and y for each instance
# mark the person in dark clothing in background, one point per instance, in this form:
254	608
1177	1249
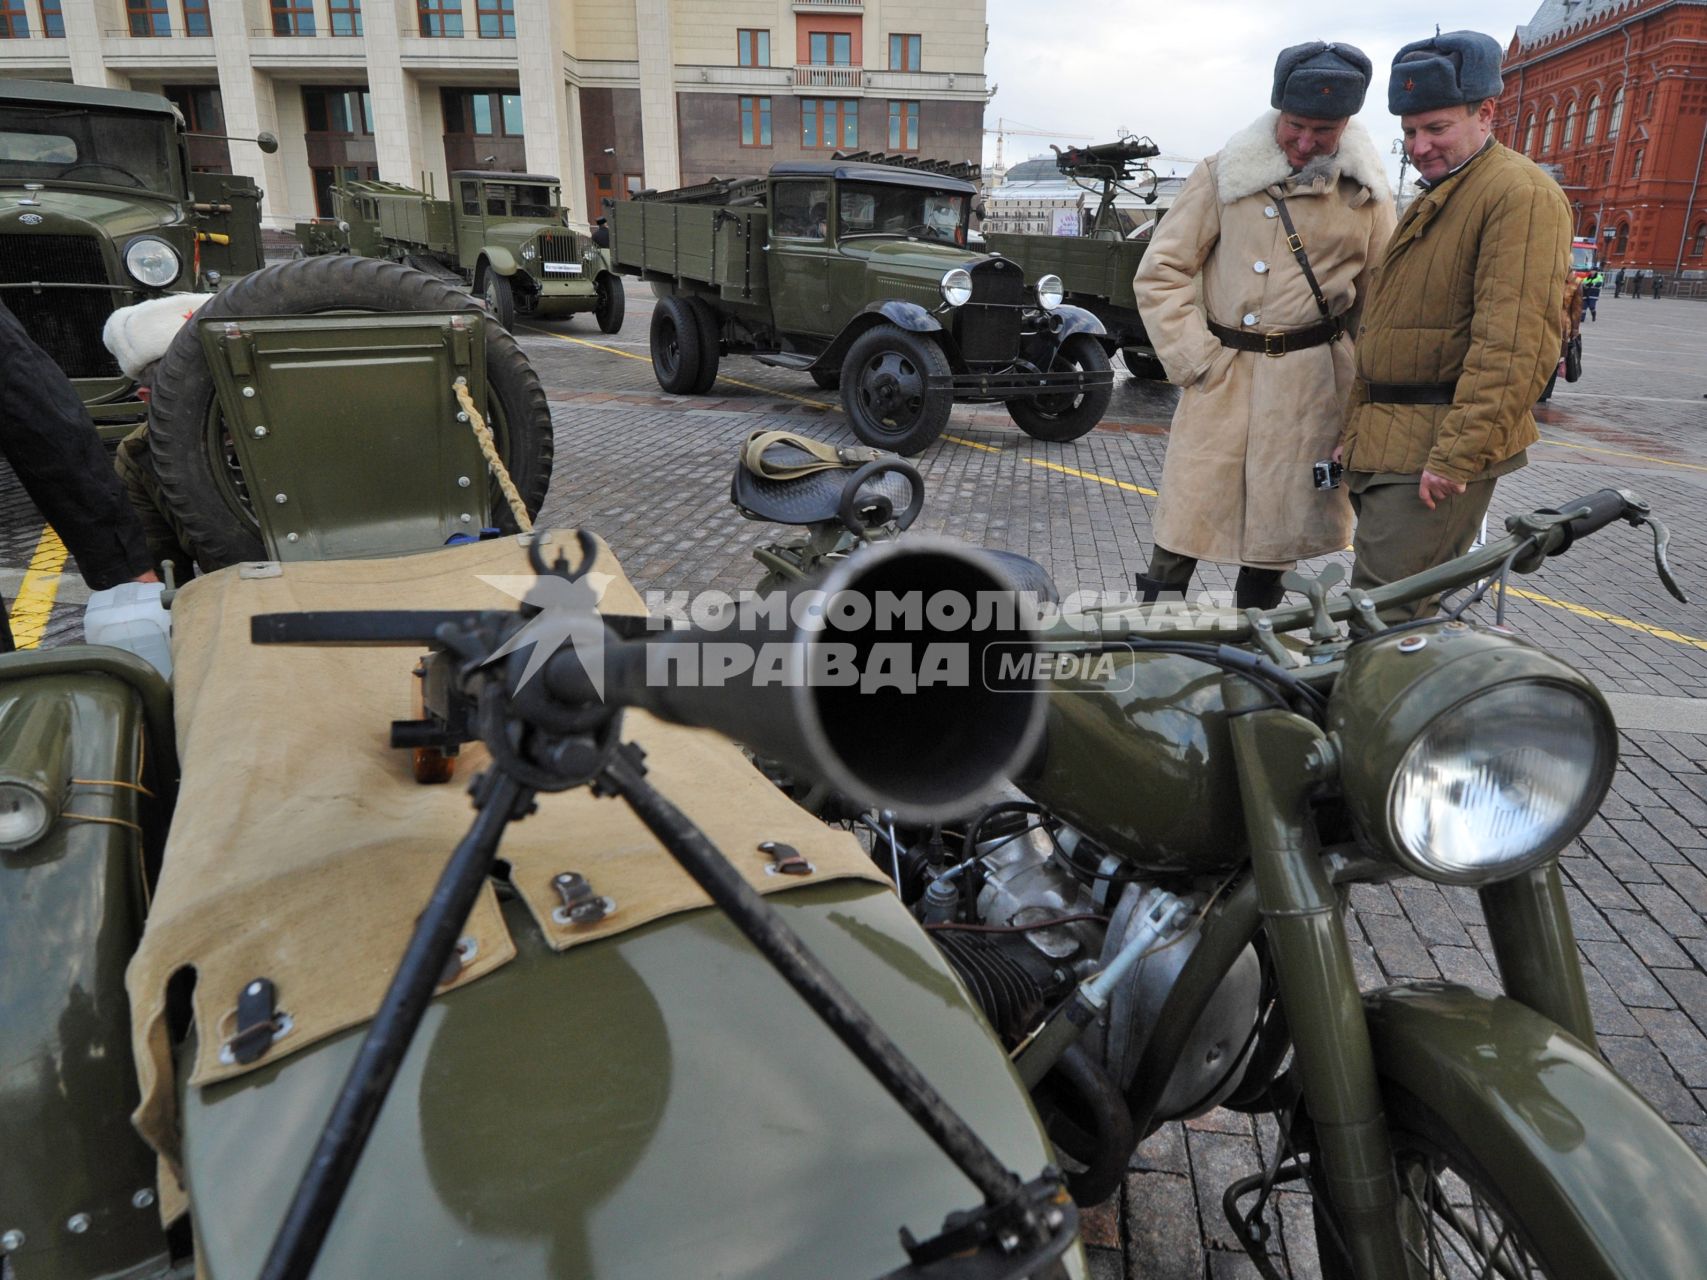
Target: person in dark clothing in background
47	437
1618	284
601	233
1591	293
1659	284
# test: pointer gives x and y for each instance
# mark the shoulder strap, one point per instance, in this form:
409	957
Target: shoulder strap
820	456
1297	246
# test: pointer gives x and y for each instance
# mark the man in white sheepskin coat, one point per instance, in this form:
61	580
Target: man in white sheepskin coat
1260	340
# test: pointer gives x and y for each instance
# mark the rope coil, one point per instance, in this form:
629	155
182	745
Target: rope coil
489	450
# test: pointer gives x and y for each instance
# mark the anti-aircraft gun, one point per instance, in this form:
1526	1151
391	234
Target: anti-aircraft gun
1097	265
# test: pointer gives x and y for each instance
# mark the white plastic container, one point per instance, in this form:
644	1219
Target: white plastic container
130	616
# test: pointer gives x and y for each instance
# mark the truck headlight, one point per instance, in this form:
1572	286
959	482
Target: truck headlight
1468	756
153	262
529	253
957	287
1050	291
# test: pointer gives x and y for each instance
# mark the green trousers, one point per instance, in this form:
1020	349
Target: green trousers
1397	536
166	541
1171	572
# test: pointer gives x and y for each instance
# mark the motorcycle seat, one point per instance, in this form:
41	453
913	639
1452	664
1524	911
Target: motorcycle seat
806	499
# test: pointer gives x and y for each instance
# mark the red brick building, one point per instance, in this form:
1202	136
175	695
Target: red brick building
1614	93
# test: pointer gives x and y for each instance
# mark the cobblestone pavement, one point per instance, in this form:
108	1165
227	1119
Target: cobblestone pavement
650	472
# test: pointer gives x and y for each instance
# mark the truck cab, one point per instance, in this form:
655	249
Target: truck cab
99	209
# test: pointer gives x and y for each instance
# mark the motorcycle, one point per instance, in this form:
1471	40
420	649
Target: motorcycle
1153	922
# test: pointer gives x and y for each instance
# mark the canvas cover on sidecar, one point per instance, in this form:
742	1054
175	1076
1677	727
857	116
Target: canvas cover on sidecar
302	849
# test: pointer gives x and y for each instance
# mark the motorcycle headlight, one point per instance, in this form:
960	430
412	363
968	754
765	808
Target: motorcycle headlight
957	287
24	816
1468	756
1050	291
154	262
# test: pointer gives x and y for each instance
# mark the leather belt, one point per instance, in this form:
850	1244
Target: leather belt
1412	392
1279	341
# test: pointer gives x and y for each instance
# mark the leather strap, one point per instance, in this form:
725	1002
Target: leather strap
822	456
1297	246
1412	392
1279	341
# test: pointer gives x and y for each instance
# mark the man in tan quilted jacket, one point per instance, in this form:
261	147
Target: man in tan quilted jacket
1461	329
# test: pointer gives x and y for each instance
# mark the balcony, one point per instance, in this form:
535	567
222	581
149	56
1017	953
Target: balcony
764	79
819	76
829	6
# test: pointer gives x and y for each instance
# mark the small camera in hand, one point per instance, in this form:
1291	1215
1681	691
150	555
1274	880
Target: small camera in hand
1327	473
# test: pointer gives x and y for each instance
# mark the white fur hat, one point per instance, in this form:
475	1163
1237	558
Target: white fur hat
139	335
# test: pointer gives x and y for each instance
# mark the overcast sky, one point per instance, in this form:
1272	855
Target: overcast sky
1190	73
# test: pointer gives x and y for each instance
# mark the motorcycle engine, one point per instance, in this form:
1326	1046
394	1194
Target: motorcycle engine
1019	966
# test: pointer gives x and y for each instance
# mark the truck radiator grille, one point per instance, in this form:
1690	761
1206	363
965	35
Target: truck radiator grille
557	247
990	323
66	323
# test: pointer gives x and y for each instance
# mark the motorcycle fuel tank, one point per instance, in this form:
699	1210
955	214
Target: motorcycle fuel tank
1137	757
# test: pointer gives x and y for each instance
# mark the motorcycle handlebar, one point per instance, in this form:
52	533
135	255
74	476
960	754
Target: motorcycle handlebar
1597	510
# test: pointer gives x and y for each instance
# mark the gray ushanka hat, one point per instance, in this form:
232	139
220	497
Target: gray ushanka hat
1319	80
1448	70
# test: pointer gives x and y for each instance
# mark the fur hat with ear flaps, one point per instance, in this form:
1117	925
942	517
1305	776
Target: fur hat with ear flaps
1450	70
1321	81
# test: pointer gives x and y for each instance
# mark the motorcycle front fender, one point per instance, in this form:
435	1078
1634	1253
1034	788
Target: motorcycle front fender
1566	1143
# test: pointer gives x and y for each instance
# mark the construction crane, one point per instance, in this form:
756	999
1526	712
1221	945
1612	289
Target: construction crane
1002	131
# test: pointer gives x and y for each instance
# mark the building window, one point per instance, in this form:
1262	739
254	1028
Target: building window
1591	120
293	17
1528	146
829	122
441	18
830	48
346	17
755	122
1547	132
1570	124
1606	172
14	20
52	20
496	19
903	53
199	105
1622	244
483	113
1699	248
1636	165
753	47
1648	105
903	126
1615	114
339	111
148	17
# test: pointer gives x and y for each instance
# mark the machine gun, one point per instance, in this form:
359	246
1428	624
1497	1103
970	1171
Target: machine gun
1115	165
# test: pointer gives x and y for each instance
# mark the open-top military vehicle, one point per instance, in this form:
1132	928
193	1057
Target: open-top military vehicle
504	234
99	209
1097	265
858	273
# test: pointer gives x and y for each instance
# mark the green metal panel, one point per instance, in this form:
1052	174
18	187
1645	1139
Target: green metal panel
71	909
1606	1185
338	400
1142	763
656	1104
235	214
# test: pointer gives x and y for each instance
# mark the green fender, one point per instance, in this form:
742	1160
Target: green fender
501	260
1607	1187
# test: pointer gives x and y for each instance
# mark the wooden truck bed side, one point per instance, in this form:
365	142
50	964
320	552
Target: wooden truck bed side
713	246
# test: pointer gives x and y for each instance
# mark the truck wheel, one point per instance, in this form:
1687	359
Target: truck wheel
1143	367
499	297
192	449
886	391
613	303
676	346
1066	415
827	379
708	342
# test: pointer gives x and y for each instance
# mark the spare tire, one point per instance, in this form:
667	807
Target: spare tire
192	450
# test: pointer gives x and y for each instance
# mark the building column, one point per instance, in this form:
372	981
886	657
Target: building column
246	98
83	41
546	125
399	145
655	37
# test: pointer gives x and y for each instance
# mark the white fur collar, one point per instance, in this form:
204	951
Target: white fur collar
1252	161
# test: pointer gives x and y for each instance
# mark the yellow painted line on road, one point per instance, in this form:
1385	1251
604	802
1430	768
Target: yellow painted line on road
1583	611
1619	453
1090	475
36	594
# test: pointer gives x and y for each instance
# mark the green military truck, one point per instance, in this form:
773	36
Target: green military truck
1097	266
859	274
504	234
99	209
